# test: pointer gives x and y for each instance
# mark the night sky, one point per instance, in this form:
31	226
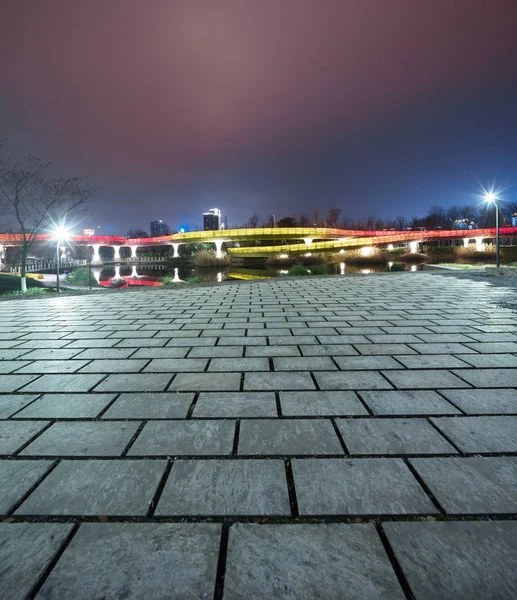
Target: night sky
378	107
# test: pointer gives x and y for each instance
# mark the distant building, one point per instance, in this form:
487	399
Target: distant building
159	228
212	220
89	232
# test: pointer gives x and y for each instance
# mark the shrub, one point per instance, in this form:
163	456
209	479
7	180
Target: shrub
319	270
81	277
298	271
193	280
280	260
355	257
314	259
208	258
414	257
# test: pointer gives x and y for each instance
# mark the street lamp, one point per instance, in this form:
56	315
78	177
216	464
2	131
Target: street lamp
60	235
491	198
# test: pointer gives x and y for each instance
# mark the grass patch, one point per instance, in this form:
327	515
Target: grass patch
12	283
193	280
81	278
298	271
319	270
208	258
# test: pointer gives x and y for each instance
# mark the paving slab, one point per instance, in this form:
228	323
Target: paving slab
63	383
14	434
11	383
328	350
480	434
225	487
471	485
352	380
132	382
288	437
368	363
457	560
83	438
425	379
278	381
11	403
26	550
138	560
366	486
392	436
319	404
150	406
483	401
66	406
235	404
114	366
308	561
17	478
490	378
96	487
185	438
408	402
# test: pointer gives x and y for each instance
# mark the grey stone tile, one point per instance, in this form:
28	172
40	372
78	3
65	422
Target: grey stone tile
126	334
271	351
139	342
349	338
12	354
484	401
83	438
316	404
489	378
150	406
233	340
185	438
480	434
114	366
490	360
308	561
289	341
63	383
14	434
366	486
225	487
11	383
96	487
490	338
158	352
383	349
216	352
352	380
422	379
493	347
34	344
83	344
103	353
10	403
394	338
26	549
329	350
16	479
457	560
238	364
140	382
443	348
191	342
352	363
288	437
10	366
66	406
138	560
432	361
408	402
308	363
235	404
473	484
392	436
206	382
278	381
176	365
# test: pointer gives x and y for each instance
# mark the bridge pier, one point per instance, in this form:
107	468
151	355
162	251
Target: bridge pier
176	250
134	274
479	244
218	246
2	256
413	247
466	242
96	259
133	251
116	252
308	241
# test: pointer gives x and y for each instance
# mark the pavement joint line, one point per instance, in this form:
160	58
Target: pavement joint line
221	562
133	439
191	408
291	488
159	488
104	410
395	565
340	437
424	486
52	563
235	447
32	438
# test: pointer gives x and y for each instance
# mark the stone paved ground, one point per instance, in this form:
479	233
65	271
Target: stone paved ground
320	438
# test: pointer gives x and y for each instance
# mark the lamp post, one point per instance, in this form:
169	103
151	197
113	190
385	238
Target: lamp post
491	198
60	235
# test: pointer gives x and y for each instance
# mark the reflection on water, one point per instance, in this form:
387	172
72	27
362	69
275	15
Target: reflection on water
153	275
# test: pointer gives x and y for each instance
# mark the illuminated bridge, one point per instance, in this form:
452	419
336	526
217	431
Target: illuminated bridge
301	239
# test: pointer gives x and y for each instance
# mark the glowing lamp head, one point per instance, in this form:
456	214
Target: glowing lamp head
490	198
61	234
182	229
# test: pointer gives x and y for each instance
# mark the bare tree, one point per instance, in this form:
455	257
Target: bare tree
252	222
35	200
333	217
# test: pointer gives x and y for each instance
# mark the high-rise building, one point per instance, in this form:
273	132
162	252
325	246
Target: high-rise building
89	232
212	220
159	228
